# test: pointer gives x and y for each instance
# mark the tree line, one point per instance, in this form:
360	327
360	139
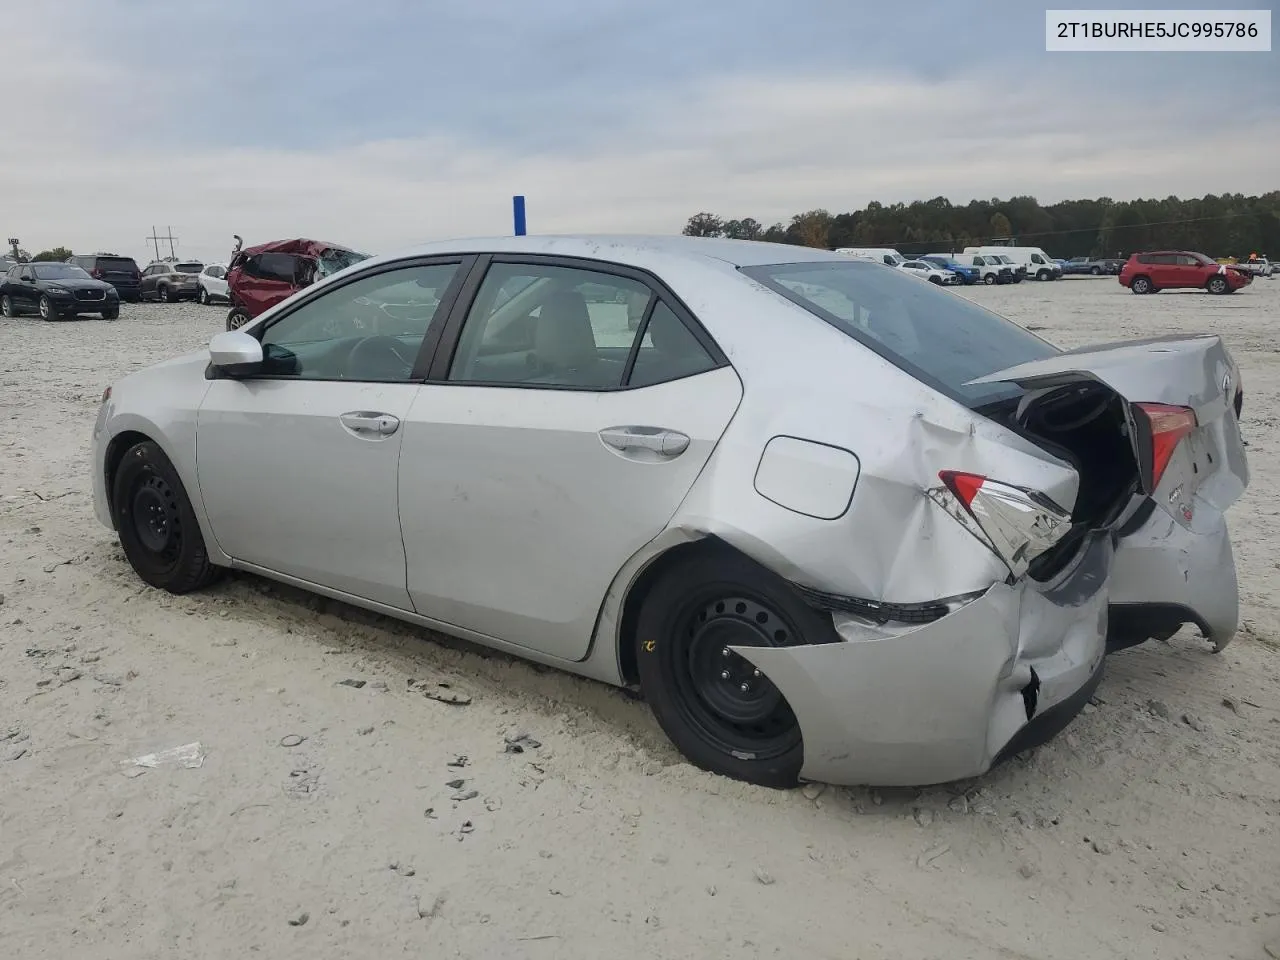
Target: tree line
1218	225
55	255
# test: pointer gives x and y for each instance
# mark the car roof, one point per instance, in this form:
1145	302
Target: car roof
636	249
300	246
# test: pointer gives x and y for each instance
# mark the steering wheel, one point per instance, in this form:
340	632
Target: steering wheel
382	358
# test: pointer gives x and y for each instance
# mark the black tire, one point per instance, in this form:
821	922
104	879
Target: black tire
721	713
111	314
937	280
156	523
166	294
1141	285
203	297
1043	275
47	309
1218	285
7	307
237	318
990	279
1096	271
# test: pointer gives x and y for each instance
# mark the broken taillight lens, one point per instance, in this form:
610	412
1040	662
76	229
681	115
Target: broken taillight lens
1018	524
1169	425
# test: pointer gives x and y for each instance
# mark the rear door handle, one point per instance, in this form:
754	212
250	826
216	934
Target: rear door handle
382	424
666	443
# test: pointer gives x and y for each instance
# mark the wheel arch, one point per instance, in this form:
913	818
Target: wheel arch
642	584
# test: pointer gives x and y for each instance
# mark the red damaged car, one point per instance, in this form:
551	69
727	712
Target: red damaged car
260	277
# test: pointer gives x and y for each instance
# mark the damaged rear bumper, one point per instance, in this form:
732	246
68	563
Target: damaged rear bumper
940	702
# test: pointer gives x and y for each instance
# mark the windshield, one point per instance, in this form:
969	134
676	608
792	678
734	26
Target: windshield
191	267
937	337
59	271
335	259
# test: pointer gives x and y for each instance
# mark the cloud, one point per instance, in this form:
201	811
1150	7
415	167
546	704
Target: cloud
762	139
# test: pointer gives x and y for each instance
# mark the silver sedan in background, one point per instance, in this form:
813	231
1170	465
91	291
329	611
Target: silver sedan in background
834	523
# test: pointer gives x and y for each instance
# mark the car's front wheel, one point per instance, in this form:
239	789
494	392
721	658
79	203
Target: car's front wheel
111	314
203	297
47	310
1096	271
156	522
1219	285
7	308
719	710
1044	275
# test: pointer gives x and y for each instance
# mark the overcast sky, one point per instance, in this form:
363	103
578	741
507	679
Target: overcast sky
385	122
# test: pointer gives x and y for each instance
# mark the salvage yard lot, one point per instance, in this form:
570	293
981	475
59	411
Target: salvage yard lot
323	820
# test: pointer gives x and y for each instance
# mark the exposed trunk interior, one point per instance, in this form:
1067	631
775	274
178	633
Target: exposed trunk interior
1084	423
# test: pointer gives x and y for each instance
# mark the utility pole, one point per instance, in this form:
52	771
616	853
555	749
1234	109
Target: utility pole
155	238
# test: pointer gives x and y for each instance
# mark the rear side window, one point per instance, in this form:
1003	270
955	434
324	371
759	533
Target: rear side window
941	339
271	266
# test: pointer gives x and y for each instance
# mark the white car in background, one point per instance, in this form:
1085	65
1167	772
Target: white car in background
930	271
213	283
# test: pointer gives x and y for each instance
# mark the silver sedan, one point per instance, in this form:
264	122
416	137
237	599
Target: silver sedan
834	523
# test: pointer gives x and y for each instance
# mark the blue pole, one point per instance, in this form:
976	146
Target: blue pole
517	210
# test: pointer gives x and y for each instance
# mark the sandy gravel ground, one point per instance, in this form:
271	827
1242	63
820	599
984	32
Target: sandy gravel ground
1149	829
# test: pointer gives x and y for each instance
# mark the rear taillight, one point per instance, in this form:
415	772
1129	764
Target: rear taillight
1018	524
1168	426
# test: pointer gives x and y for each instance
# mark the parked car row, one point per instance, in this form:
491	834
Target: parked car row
986	264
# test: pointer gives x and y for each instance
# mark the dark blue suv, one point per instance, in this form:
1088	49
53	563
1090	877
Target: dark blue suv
968	275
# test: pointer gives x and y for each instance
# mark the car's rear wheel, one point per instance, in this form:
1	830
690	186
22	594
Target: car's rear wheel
203	296
721	712
1140	285
7	308
47	310
166	294
157	524
237	318
1219	285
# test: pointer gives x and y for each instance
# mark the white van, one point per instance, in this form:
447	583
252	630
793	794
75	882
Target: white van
1038	263
879	254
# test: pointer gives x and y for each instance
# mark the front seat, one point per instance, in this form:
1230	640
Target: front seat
564	345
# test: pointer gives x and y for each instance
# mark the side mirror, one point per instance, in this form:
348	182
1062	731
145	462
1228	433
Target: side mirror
234	352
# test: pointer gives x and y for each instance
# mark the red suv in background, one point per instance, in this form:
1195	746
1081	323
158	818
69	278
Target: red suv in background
1179	269
260	277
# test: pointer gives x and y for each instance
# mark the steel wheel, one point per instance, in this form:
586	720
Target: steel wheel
156	519
730	702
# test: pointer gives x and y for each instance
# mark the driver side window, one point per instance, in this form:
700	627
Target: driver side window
370	329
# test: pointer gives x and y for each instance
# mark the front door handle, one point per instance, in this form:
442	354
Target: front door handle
665	443
382	424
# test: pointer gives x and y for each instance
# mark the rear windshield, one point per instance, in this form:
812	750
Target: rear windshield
116	263
941	339
188	267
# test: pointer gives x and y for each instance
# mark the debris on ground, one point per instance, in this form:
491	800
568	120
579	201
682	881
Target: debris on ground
763	876
352	683
459	761
1158	708
441	691
1195	723
933	853
300	920
291	740
189	755
519	742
